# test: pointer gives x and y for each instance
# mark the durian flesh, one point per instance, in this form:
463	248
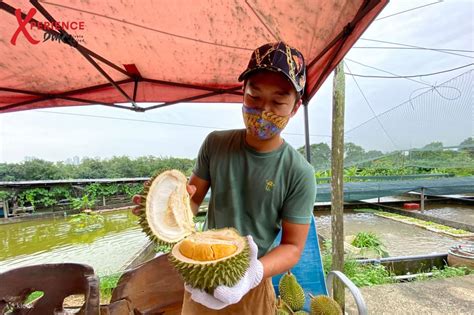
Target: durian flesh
204	259
208	259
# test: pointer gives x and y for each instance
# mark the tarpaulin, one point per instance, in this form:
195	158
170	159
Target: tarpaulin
123	53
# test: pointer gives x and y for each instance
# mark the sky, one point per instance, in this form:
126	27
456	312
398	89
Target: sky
381	114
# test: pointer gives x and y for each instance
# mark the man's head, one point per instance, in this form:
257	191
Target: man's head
274	82
281	58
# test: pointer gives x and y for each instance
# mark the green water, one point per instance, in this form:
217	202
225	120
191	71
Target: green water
107	249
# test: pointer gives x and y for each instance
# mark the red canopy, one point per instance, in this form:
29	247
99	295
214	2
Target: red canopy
163	52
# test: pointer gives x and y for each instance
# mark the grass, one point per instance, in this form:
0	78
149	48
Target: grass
107	285
361	275
422	223
448	272
369	240
364	275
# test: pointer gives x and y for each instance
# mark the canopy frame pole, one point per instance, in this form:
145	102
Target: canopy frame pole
306	133
342	36
68	39
72	42
197	87
45	97
192	98
85	53
112	82
135	88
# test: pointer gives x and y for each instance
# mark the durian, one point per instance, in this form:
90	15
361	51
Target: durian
282	308
291	292
206	259
324	305
301	313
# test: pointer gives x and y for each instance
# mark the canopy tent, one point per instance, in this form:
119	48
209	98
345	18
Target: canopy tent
146	54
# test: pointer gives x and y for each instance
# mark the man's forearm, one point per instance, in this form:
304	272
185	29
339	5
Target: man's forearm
280	259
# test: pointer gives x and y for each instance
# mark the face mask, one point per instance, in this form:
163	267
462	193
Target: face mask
263	124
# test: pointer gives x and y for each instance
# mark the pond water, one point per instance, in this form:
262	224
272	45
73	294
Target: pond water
107	249
457	213
400	239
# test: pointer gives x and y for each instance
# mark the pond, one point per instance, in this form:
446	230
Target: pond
107	249
457	213
400	239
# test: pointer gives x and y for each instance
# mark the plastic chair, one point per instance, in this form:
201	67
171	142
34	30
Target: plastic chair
310	274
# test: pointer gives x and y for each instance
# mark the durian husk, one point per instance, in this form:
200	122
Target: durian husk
291	291
282	308
212	272
324	305
168	217
222	257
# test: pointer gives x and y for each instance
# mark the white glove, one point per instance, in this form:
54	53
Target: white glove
224	295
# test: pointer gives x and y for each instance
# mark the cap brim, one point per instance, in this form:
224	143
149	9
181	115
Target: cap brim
244	75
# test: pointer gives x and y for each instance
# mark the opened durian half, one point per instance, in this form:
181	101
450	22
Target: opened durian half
204	259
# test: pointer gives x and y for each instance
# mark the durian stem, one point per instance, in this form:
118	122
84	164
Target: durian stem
282	304
287	307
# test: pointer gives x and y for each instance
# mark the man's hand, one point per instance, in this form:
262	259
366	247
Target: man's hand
139	208
224	295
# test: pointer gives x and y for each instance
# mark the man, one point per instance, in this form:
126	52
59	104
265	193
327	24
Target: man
259	183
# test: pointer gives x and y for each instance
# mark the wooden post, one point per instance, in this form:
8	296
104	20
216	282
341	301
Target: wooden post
337	179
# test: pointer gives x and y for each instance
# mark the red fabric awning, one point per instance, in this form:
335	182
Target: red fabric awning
162	52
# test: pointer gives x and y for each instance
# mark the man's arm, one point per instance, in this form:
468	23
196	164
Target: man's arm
288	253
201	187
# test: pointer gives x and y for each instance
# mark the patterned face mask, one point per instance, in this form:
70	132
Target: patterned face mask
263	124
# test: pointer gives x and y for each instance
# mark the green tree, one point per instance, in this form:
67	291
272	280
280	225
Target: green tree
353	153
320	155
91	168
468	146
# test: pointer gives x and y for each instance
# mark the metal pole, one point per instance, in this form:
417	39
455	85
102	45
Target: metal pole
5	208
306	133
337	180
422	200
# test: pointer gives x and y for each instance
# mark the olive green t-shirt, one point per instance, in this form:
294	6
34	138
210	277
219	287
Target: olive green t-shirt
253	191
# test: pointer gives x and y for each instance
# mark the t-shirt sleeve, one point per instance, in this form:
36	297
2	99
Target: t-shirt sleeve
201	169
298	206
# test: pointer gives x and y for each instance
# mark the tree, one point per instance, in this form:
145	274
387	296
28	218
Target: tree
353	153
320	155
468	146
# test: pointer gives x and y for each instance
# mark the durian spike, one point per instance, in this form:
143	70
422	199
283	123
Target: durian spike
330	306
282	304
